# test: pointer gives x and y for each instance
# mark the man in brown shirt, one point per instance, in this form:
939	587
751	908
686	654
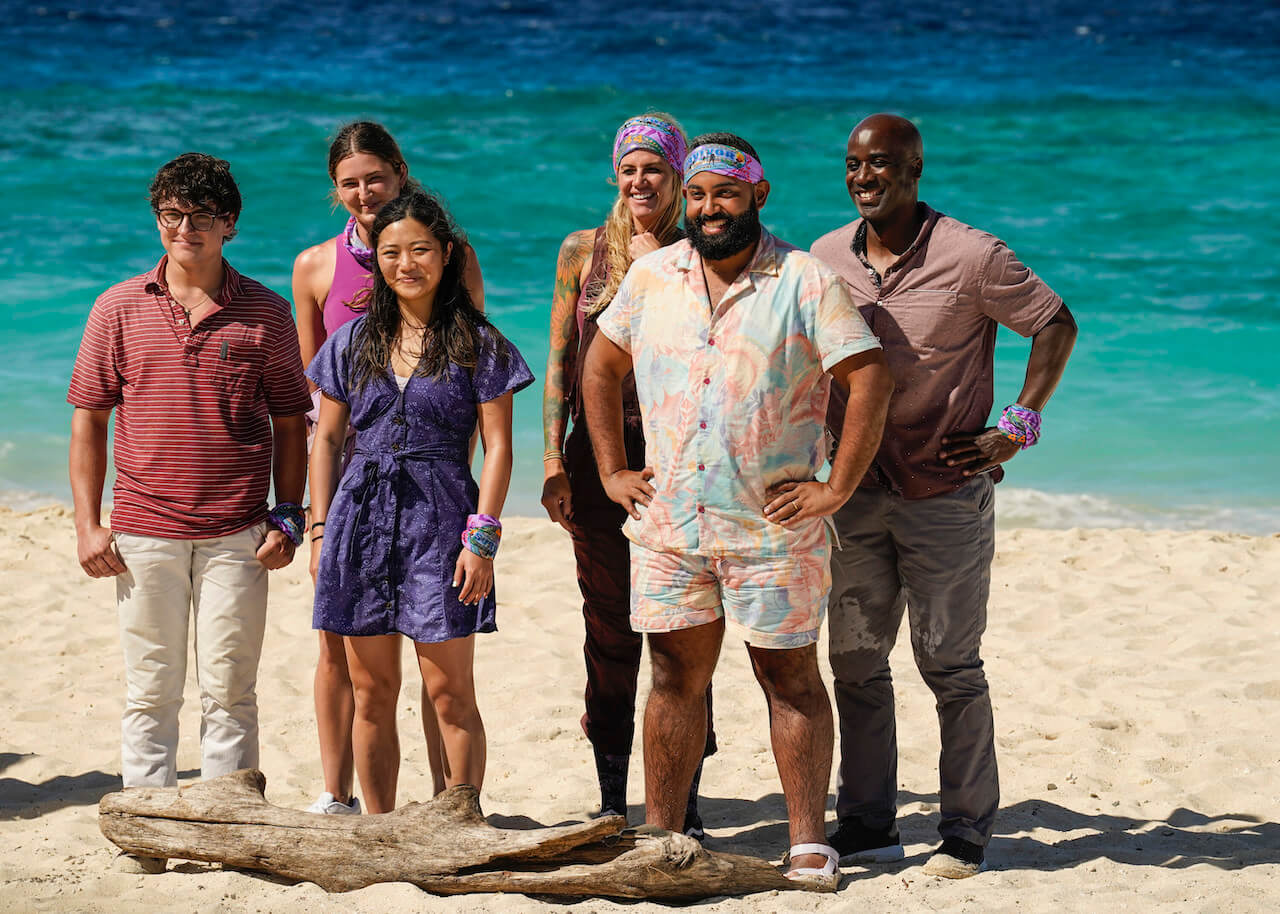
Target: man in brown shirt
919	533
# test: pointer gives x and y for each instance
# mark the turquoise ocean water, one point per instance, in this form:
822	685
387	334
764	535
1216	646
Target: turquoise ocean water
1128	154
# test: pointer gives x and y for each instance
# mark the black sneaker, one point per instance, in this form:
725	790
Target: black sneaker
956	858
855	843
693	827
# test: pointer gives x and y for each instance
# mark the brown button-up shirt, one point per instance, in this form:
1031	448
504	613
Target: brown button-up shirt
935	310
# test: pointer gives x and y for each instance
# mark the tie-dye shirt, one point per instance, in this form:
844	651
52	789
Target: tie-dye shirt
734	400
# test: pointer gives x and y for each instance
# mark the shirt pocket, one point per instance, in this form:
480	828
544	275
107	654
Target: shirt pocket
930	319
237	365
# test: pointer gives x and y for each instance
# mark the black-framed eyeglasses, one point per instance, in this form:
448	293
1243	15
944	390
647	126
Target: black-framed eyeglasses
201	221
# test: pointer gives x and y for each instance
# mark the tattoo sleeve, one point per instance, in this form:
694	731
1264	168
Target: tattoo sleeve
564	333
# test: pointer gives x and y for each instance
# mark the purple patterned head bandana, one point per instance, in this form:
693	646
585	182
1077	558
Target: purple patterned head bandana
652	134
723	160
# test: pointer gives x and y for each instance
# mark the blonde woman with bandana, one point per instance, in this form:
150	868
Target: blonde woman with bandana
648	153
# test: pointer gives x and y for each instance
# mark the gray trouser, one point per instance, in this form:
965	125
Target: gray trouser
931	556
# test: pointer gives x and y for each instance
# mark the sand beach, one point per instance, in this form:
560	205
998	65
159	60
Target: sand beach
1133	674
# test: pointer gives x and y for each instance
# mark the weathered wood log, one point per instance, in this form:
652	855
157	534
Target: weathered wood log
444	846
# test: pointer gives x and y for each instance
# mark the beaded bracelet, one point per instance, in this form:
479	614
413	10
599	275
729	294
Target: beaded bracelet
482	535
1020	424
290	520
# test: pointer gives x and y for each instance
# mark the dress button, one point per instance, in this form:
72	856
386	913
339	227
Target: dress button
397	419
396	447
388	605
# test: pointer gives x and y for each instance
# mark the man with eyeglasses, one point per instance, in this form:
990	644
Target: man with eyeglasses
201	366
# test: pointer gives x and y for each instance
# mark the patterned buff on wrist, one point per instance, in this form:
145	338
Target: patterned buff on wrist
290	520
482	535
1020	425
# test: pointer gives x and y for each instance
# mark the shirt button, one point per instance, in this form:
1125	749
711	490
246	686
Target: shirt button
388	605
701	467
711	342
706	380
396	447
702	425
397	419
701	510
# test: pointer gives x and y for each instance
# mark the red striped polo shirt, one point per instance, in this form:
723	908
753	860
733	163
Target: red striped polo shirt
192	407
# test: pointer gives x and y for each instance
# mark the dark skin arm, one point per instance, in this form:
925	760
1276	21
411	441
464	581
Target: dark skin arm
289	474
865	377
977	452
607	364
574	253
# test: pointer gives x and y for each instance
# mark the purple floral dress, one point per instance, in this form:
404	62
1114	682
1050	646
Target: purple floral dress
394	528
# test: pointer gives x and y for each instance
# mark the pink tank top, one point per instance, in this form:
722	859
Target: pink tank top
349	280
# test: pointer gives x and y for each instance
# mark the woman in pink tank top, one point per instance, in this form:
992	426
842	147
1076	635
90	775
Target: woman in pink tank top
368	171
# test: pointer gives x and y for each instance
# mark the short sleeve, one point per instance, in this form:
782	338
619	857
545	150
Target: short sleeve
839	330
499	368
615	321
283	382
1013	295
330	368
96	382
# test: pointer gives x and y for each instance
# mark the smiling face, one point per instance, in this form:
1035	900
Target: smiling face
722	214
882	170
186	245
365	183
648	184
411	260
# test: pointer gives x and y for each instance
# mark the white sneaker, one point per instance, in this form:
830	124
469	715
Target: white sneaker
326	805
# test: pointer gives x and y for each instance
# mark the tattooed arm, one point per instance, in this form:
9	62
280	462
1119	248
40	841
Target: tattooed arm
572	267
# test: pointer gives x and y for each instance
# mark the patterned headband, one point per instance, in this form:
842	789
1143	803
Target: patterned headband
723	160
652	134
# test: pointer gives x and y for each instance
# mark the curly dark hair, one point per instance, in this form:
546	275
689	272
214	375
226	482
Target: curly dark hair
196	179
454	334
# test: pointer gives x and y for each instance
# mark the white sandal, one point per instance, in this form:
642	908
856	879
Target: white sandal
825	877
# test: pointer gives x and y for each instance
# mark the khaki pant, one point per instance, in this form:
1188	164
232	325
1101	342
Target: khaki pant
931	557
224	586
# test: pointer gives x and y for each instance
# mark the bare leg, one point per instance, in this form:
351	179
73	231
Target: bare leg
374	664
435	748
335	706
449	679
801	731
675	718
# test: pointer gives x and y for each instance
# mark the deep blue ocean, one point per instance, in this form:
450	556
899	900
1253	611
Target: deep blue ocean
1127	151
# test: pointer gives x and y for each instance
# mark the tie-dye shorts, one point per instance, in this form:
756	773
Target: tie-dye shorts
774	601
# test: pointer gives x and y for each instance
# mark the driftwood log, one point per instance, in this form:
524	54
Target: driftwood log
444	846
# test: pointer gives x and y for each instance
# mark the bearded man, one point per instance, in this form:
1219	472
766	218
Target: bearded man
733	336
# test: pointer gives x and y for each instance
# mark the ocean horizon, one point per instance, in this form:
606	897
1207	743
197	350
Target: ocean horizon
1126	154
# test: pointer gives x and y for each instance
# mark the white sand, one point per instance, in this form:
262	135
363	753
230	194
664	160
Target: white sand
1136	681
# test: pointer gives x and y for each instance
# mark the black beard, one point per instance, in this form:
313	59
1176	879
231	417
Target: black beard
740	233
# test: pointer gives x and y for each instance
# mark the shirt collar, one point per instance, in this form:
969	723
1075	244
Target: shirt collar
765	260
231	281
859	243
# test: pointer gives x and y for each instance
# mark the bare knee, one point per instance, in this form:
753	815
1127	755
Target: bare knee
790	677
455	704
375	695
332	662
